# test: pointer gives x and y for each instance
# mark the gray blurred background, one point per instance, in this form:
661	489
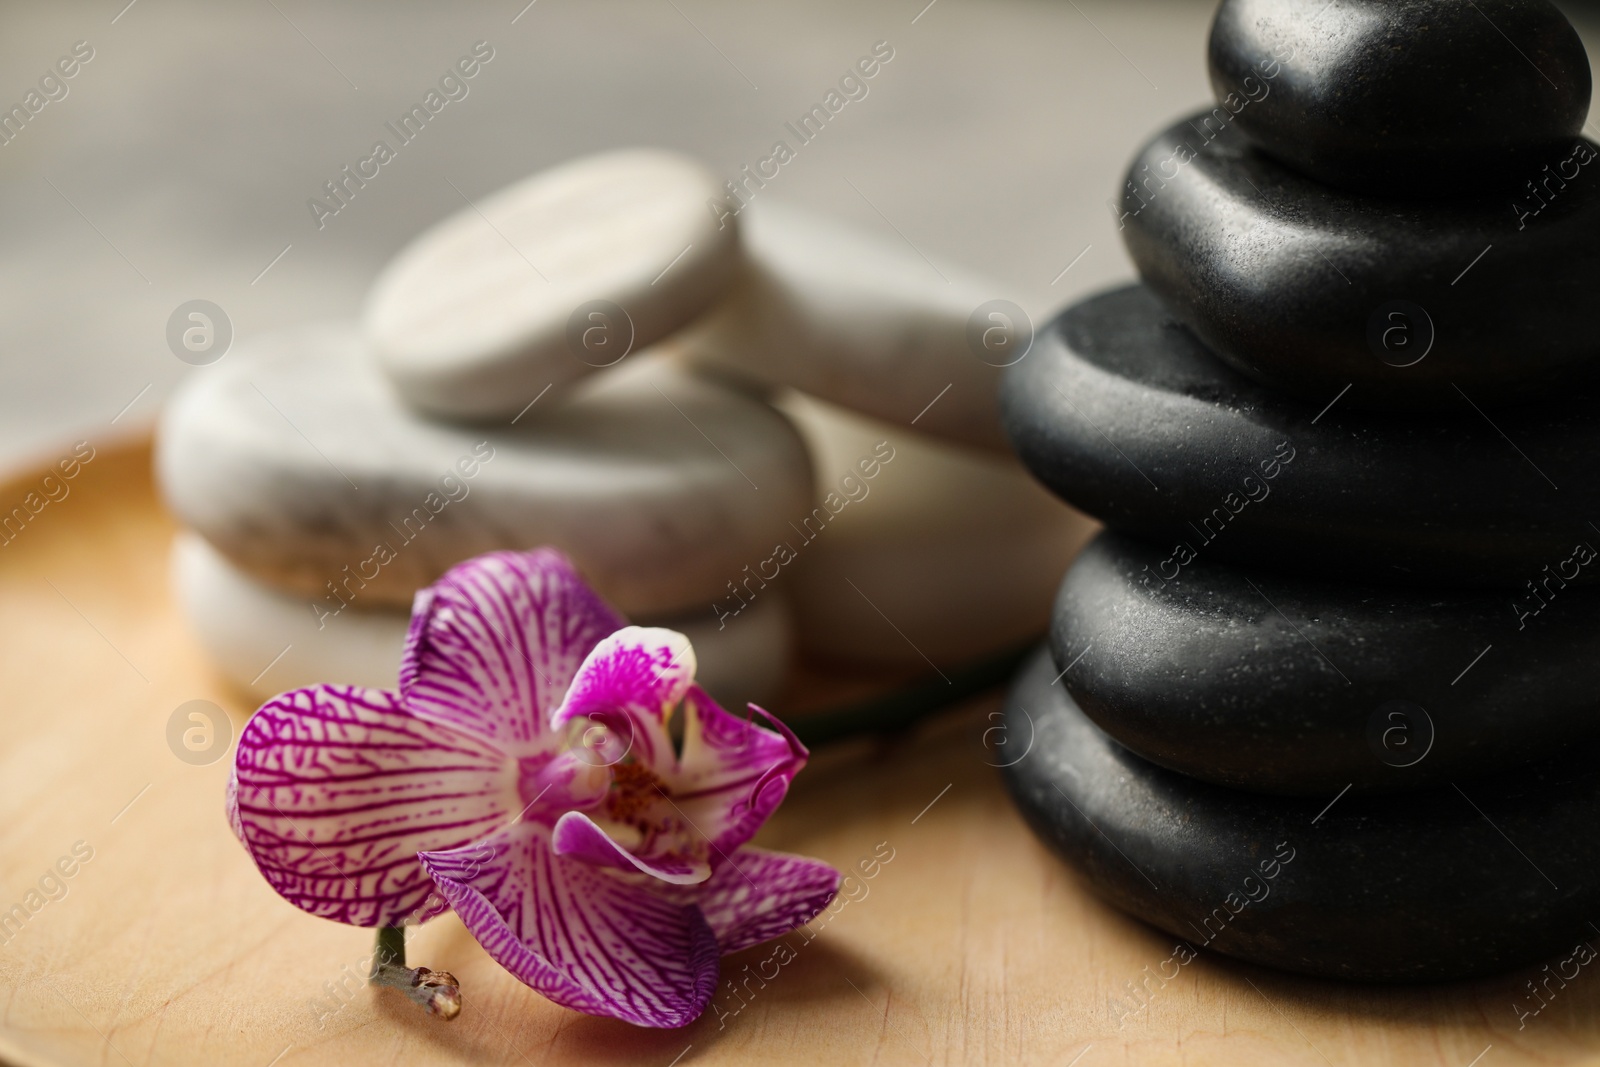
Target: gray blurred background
179	163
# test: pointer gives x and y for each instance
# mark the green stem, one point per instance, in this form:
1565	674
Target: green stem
391	949
437	992
905	707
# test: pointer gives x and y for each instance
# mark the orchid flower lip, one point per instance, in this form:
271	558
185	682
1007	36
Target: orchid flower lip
524	776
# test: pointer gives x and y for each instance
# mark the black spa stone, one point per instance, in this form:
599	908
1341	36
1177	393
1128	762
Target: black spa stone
1300	686
1413	98
1308	290
1420	887
1120	411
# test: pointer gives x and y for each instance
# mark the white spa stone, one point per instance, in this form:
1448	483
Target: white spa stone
858	320
296	459
266	641
471	319
946	554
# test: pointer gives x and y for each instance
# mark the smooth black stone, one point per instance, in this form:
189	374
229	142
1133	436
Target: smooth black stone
1122	412
1294	283
1419	887
1302	687
1402	97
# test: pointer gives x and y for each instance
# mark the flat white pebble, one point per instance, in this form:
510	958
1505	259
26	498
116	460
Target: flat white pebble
945	555
296	459
266	641
856	319
471	319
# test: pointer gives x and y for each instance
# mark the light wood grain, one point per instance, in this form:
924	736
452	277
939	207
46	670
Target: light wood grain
973	945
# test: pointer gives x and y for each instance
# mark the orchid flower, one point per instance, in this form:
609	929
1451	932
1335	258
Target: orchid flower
523	775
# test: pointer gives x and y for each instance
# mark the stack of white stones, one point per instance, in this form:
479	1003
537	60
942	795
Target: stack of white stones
599	360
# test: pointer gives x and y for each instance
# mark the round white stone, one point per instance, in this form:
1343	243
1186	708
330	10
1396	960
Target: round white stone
295	458
945	555
266	641
857	320
472	318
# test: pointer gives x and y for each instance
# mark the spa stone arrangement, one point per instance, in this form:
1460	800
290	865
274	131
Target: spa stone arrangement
1322	696
739	419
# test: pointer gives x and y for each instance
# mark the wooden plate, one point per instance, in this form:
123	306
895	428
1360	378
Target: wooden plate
971	945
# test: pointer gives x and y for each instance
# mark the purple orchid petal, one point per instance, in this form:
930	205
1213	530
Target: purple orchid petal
582	936
580	837
336	789
758	895
630	683
495	643
733	773
230	803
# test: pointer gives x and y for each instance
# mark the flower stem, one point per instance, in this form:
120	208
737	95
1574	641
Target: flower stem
391	949
909	705
437	992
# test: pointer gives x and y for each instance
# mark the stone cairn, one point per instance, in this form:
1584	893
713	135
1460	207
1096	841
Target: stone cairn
705	399
1322	696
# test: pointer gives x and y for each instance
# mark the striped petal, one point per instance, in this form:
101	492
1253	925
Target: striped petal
495	643
630	685
733	773
758	895
336	789
580	935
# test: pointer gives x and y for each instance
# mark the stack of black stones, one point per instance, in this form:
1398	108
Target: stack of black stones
1324	694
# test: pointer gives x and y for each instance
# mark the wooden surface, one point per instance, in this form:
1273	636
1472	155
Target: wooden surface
972	945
